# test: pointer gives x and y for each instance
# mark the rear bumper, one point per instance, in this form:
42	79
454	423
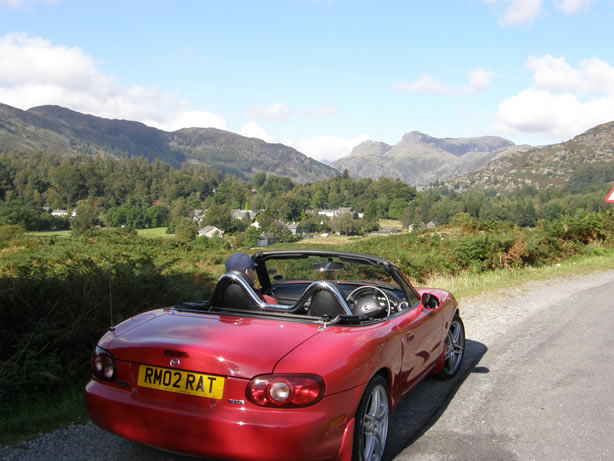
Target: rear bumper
227	431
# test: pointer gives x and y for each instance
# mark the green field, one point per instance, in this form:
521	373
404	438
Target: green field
154	232
64	233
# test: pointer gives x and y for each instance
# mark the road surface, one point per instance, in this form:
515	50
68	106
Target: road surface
543	389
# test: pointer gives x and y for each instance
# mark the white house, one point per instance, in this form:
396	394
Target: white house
210	231
59	213
198	216
338	212
240	214
294	228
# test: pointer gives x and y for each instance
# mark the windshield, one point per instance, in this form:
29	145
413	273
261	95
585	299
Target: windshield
332	268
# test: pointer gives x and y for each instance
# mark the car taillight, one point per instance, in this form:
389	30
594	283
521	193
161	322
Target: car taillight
103	365
288	391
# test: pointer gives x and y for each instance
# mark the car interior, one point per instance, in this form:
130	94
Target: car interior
290	281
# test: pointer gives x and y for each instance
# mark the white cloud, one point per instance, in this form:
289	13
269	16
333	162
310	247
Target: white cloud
192	119
277	112
13	4
35	72
321	112
321	148
555	74
425	84
521	12
327	148
479	80
253	130
572	6
563	101
518	12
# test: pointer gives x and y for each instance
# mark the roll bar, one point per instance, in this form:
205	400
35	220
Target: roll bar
233	277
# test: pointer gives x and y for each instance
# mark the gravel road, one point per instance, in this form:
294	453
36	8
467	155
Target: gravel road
486	317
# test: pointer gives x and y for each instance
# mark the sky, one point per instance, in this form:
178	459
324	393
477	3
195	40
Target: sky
321	76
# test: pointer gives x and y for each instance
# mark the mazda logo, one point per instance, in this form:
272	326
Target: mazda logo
175	363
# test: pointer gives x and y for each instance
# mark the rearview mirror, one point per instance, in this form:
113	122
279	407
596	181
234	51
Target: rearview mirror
430	301
328	266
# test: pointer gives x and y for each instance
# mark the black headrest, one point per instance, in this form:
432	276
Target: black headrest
323	302
230	292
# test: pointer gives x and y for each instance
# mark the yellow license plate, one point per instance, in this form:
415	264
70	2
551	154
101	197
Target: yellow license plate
182	382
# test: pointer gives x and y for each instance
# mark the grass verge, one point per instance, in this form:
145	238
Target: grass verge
473	284
29	420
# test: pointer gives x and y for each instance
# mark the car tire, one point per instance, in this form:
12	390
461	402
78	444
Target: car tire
455	349
372	417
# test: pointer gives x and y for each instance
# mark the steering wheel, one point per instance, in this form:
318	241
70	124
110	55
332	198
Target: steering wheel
363	291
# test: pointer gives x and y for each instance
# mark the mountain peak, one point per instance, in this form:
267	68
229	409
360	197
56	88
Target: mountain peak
417	137
369	147
417	156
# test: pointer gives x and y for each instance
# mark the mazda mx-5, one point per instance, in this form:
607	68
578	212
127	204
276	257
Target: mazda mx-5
308	364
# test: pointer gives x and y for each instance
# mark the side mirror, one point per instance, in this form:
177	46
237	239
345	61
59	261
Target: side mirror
430	301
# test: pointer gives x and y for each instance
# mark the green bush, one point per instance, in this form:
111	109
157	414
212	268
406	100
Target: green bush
186	230
56	297
10	232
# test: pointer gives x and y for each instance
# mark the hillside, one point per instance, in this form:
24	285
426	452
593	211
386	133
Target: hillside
554	165
64	131
420	159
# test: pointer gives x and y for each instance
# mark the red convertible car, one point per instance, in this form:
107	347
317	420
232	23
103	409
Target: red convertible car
313	375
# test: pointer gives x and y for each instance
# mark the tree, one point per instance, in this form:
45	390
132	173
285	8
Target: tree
259	180
280	231
318	200
157	216
552	211
218	216
69	181
407	217
265	219
86	217
186	230
9	232
525	214
396	207
343	224
21	213
252	237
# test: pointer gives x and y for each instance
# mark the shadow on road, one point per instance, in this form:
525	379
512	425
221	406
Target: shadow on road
423	406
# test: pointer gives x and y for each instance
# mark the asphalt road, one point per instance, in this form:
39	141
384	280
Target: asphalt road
543	390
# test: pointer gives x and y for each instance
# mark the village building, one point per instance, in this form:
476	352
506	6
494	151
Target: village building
210	231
